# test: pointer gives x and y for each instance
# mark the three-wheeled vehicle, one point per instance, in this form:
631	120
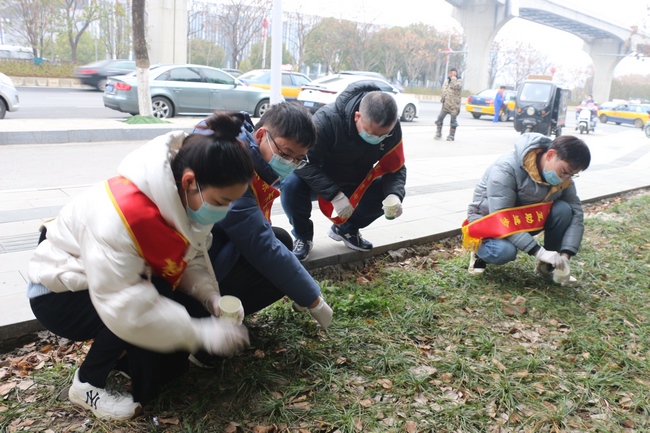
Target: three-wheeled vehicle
541	107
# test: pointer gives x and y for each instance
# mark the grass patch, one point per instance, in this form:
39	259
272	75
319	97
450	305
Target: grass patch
141	120
418	345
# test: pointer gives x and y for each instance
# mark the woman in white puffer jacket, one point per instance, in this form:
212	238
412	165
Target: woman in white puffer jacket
123	264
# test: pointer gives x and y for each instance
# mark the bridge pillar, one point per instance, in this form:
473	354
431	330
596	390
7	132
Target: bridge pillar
602	52
481	21
167	31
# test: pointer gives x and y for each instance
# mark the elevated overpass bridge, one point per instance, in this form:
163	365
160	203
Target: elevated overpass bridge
605	42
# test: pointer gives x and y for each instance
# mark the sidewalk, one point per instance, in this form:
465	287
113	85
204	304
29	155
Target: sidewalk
441	178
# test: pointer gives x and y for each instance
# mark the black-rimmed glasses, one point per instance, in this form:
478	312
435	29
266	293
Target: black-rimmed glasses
300	162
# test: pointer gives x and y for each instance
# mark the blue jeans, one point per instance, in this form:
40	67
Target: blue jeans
296	201
500	251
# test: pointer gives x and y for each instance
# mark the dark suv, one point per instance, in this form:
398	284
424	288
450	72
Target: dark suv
95	74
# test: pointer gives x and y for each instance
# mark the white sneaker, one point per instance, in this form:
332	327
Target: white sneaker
104	404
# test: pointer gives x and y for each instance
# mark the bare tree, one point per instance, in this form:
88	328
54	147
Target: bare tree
241	21
37	22
303	25
141	58
115	29
386	44
362	58
521	60
78	17
417	50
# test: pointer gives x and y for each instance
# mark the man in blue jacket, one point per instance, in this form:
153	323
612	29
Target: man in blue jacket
253	260
356	164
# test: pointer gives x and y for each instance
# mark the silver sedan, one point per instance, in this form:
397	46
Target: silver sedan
186	90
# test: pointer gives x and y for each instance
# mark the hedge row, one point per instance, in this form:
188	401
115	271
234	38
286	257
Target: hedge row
15	68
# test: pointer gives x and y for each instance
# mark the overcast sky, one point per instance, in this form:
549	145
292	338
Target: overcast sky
438	13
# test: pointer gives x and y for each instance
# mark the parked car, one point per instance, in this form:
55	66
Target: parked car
96	74
482	104
322	91
633	114
374	74
8	95
234	72
291	81
186	90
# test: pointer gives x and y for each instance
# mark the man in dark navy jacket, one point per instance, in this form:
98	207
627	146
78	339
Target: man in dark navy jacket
253	260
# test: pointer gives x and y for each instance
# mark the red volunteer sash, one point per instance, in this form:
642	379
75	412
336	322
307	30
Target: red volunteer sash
264	195
505	222
389	163
162	247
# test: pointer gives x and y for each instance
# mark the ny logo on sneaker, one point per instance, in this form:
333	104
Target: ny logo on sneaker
92	401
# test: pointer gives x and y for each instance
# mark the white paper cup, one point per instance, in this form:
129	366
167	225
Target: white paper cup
390	204
560	275
230	306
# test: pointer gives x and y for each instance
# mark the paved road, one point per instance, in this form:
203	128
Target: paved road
62	103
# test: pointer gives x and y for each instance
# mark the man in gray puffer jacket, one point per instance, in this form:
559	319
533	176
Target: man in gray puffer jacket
526	191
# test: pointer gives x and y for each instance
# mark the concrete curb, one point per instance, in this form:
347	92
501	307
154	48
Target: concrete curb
133	132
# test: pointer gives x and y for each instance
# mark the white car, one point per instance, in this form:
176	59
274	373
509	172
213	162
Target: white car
8	95
322	91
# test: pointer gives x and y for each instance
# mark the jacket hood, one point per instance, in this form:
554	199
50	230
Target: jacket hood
347	103
149	168
527	147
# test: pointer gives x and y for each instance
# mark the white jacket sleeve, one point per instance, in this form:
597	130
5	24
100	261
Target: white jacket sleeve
124	298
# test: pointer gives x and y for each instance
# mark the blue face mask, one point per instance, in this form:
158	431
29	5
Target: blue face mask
552	177
208	214
372	139
281	166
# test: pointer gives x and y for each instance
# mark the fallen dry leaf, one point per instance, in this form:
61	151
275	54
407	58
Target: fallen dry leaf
366	402
385	383
6	387
172	421
411	427
231	427
499	365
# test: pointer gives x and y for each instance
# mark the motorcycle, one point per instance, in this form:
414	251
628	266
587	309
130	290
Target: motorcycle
586	121
646	129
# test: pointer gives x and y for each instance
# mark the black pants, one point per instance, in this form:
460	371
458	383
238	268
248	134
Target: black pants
73	316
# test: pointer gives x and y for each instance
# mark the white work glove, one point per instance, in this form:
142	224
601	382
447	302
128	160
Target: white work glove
212	305
322	313
553	258
398	206
220	337
563	265
342	206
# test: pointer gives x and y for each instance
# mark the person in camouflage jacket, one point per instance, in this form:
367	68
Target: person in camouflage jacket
450	104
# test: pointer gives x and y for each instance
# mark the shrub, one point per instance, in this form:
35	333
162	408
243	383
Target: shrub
15	68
